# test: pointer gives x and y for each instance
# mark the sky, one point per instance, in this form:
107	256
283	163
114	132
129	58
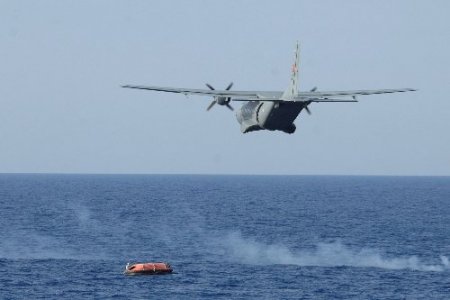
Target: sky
62	109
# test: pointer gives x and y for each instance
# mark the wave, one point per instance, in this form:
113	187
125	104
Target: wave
324	254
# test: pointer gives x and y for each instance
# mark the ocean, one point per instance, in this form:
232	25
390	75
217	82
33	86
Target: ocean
226	237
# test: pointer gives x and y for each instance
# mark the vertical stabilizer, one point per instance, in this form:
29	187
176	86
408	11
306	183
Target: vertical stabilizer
292	90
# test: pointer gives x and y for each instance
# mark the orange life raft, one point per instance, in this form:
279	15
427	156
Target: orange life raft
148	269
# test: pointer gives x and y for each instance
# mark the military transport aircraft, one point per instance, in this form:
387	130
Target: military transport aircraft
271	110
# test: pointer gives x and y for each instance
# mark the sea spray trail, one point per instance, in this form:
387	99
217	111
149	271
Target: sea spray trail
32	246
331	254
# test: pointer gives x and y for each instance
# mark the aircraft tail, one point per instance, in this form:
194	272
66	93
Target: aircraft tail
292	90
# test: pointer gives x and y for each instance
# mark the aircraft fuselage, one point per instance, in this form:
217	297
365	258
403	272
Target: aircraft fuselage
269	115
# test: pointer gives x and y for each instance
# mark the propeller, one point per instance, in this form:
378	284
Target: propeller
309	102
307	109
220	100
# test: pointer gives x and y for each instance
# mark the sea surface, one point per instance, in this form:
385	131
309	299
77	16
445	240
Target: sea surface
228	237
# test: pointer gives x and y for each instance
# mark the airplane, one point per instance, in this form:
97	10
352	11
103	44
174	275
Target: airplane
271	110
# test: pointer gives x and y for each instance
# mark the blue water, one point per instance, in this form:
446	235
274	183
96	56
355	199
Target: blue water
260	237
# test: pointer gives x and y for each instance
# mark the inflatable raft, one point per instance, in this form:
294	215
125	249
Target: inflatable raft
151	268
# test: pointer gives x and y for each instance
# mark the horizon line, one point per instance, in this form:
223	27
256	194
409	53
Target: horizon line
218	174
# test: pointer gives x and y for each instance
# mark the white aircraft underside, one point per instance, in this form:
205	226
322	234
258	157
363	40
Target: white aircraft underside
271	110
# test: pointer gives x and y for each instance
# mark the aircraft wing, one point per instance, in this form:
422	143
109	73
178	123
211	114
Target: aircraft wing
326	96
207	92
317	96
276	96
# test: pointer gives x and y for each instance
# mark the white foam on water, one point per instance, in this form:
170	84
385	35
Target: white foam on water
35	246
325	254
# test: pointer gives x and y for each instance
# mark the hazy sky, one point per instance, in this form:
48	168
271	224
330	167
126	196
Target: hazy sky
62	64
